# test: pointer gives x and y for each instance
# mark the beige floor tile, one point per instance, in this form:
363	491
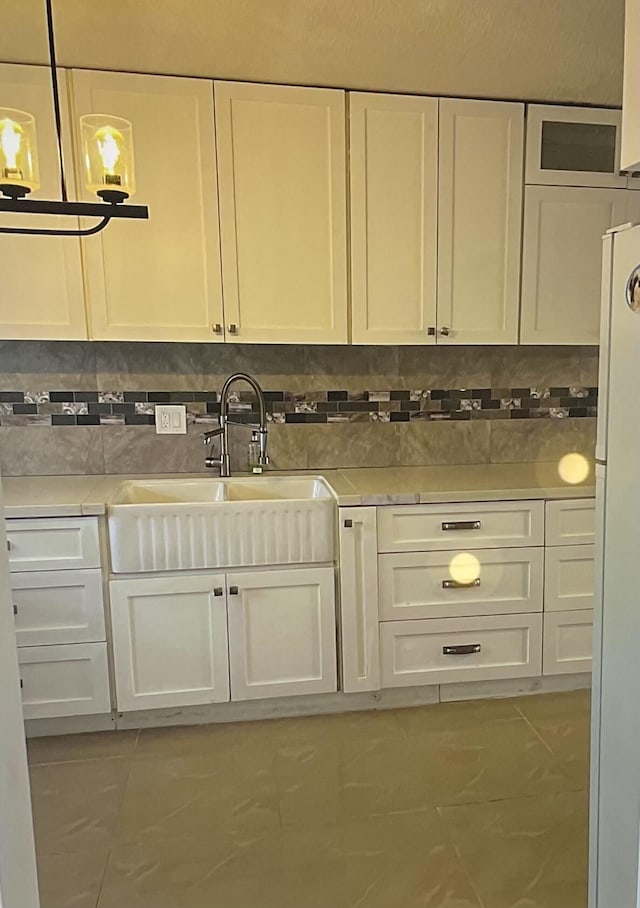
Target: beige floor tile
563	721
76	805
308	778
523	852
454	716
211	740
172	797
383	777
71	880
64	748
502	759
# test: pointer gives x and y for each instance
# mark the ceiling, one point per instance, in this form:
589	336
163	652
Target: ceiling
549	50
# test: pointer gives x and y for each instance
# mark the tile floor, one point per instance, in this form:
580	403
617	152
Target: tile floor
466	805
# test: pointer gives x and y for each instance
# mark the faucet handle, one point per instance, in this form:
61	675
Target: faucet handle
207	437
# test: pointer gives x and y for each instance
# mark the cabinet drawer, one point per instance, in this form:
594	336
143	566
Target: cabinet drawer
52	545
455	584
569	578
58	607
568	642
571	522
68	680
460	649
419	528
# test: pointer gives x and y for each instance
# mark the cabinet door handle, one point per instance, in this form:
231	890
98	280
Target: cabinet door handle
218	591
460	584
461	649
445	332
217	328
233	590
431	331
348	524
21	683
9	546
461	525
233	329
15	609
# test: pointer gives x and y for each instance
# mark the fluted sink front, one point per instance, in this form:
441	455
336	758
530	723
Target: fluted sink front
174	525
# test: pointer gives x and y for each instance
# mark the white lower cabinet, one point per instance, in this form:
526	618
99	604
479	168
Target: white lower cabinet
58	607
64	680
282	633
569	578
568	642
458	584
440	651
170	641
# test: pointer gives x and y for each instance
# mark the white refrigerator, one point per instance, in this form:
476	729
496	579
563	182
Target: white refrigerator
615	745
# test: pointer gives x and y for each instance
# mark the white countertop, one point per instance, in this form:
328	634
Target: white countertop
79	496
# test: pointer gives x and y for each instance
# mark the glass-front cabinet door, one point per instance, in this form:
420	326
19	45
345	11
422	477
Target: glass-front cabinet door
574	146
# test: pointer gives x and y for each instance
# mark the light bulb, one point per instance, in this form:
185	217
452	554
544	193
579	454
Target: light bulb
10	142
108	156
109	141
18	153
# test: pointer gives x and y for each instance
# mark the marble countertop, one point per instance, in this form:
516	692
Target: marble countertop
79	496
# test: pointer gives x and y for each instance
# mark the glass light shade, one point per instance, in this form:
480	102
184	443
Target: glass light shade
18	153
107	147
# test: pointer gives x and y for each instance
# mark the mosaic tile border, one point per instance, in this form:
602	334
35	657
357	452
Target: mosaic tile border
105	408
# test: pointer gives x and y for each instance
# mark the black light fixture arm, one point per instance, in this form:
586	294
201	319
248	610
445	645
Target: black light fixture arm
43	231
56	96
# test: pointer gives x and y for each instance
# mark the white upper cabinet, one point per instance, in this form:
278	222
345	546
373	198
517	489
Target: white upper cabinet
479	221
157	279
562	261
574	146
42	295
282	174
630	144
394	204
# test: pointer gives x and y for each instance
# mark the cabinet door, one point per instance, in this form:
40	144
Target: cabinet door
282	633
282	161
359	599
157	279
568	642
66	680
42	293
573	146
394	204
479	221
170	641
569	578
562	261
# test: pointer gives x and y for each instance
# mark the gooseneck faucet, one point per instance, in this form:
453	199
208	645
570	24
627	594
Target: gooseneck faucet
224	461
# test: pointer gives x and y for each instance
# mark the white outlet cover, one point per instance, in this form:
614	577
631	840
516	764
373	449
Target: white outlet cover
171	419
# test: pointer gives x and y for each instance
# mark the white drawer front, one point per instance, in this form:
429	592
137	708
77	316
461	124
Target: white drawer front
58	607
571	522
569	577
69	680
459	649
62	543
425	527
568	642
455	584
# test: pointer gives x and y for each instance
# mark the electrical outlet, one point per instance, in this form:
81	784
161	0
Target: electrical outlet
171	419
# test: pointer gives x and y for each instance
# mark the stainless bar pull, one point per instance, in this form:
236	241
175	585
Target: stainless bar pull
461	525
462	649
460	584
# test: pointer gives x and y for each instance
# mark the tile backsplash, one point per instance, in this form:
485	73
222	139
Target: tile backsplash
93	404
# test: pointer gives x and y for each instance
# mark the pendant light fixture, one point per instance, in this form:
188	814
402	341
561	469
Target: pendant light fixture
108	165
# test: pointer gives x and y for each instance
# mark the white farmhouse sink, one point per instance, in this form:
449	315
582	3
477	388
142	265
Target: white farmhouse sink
187	524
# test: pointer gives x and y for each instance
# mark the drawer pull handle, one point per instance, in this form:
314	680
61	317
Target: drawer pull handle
460	584
462	649
233	590
462	525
